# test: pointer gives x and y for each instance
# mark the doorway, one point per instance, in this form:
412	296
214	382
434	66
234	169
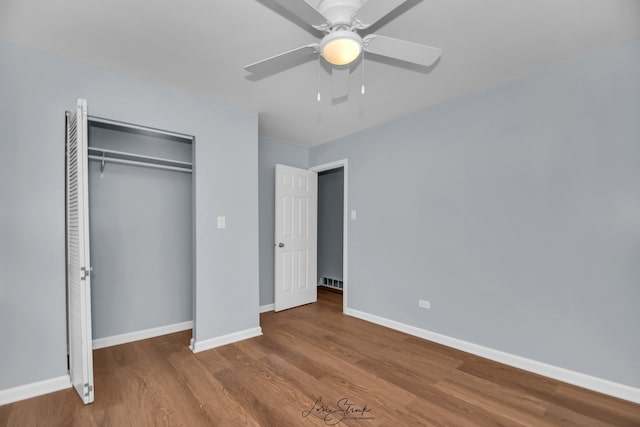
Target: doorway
332	226
296	226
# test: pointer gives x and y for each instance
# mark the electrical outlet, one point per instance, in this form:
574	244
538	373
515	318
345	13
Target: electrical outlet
424	304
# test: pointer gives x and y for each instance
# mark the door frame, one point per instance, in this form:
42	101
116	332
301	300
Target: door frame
344	163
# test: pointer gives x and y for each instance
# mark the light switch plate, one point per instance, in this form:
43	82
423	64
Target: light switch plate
222	222
353	215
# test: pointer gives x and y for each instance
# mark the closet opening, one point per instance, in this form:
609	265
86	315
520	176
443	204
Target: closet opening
129	236
141	231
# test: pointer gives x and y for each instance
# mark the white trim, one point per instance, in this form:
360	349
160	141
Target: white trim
120	124
141	335
198	346
328	166
561	374
39	388
267	307
344	163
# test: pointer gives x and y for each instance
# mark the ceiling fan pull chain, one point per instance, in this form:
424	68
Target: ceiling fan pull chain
362	75
318	80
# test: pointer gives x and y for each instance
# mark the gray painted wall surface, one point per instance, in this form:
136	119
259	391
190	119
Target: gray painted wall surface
330	219
36	89
141	237
270	153
515	211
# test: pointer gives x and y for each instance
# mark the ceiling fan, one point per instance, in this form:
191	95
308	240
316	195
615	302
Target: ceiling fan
341	45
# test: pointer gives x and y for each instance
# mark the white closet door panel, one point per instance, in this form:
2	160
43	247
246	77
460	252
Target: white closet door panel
78	260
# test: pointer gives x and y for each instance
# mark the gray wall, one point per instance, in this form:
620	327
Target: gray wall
140	222
330	223
270	153
36	89
515	211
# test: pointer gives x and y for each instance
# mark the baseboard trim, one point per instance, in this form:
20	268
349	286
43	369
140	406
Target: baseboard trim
561	374
39	388
141	335
267	307
199	346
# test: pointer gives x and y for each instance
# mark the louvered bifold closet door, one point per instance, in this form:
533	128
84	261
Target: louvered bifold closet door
78	265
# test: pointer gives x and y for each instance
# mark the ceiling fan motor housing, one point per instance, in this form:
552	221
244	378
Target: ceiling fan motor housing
339	12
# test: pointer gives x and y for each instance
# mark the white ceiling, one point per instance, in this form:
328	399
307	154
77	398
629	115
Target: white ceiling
201	47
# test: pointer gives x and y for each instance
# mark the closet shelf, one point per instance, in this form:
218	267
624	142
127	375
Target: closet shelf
114	156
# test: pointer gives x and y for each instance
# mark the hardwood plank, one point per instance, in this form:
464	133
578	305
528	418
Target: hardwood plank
60	408
510	396
254	405
263	381
566	417
412	364
135	395
289	348
436	351
589	403
317	337
313	387
574	399
386	404
509	377
496	406
313	352
217	405
433	414
428	396
213	361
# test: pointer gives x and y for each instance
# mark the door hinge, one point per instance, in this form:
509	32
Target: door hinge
88	388
85	272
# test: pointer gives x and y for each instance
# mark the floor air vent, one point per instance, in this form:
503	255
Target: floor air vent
331	283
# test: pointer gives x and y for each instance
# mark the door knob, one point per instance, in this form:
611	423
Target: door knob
281	245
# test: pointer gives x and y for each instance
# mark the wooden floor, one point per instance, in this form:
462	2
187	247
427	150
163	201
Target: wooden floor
315	367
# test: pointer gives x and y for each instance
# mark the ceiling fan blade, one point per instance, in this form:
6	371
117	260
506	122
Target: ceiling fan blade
292	56
401	49
305	11
339	82
373	11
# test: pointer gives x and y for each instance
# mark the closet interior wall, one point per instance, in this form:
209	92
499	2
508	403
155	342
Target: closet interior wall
141	237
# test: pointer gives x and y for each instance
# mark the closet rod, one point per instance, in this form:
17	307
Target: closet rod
135	163
138	156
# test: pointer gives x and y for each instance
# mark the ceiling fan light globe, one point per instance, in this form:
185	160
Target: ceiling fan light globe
341	47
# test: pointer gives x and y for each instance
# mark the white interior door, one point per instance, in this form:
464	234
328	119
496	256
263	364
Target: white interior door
295	237
78	261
